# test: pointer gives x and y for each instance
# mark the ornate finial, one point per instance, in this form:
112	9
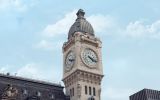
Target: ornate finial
80	13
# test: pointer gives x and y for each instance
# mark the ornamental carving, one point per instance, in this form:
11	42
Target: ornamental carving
10	93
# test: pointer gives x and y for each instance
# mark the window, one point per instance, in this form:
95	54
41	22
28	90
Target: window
38	94
85	89
25	92
73	91
53	97
91	98
33	98
94	91
90	91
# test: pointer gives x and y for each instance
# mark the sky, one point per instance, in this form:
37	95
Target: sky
32	33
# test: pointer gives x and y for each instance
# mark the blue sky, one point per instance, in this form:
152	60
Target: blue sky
32	33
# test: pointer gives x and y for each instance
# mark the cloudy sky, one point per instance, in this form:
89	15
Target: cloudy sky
32	33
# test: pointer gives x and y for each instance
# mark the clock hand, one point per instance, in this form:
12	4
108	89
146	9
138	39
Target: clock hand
90	57
71	60
94	60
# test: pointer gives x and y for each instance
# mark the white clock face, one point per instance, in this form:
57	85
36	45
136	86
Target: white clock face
89	57
70	59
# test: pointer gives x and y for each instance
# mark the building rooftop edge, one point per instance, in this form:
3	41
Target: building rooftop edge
144	89
30	80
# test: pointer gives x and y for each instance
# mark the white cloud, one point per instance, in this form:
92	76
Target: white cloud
62	26
138	29
47	45
101	23
4	3
36	71
105	24
44	44
3	70
18	5
29	70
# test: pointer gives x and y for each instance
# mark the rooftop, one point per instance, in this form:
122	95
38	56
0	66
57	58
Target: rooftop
29	80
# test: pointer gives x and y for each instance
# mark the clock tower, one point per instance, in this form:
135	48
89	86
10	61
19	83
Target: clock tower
82	61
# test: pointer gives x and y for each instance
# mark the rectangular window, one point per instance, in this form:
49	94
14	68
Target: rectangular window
85	89
94	91
73	91
90	91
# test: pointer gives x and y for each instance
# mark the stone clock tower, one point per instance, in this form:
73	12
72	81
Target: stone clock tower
82	61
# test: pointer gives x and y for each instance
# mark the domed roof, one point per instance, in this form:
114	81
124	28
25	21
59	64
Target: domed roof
81	25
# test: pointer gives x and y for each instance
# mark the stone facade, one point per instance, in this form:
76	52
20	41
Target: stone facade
18	88
82	78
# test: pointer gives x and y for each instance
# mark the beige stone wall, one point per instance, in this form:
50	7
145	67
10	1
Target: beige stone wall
78	80
81	75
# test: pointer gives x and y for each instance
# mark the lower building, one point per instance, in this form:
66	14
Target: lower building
18	88
146	94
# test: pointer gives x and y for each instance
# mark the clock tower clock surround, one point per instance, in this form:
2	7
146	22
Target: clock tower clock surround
82	61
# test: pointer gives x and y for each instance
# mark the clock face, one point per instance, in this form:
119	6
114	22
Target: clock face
89	57
70	59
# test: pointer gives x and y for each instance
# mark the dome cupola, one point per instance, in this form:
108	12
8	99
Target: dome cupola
81	25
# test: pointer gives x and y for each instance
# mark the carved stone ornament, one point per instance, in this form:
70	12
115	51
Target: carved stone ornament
10	93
